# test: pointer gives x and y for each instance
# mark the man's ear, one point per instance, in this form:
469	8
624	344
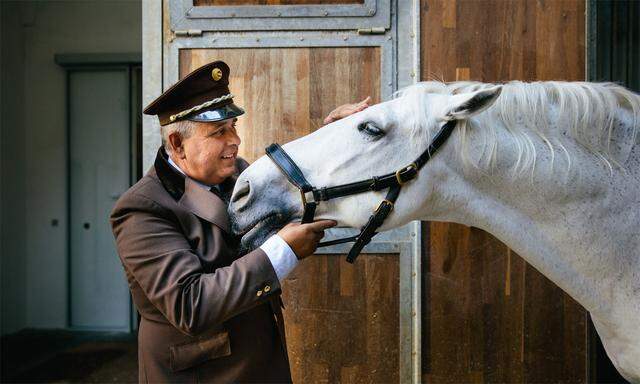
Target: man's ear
465	105
175	142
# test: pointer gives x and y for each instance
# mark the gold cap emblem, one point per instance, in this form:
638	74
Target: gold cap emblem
216	74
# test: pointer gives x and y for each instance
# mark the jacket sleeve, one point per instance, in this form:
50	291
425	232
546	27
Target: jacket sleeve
160	258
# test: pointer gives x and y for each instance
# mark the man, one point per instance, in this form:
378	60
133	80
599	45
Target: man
207	314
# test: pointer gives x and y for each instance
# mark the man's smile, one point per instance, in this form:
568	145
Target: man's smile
230	155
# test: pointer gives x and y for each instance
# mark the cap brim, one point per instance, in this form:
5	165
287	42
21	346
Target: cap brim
221	113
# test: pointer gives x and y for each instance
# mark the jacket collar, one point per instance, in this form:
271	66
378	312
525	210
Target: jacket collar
189	194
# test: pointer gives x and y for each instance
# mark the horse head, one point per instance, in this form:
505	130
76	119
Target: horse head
381	139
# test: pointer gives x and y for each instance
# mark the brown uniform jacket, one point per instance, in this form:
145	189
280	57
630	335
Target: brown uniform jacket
206	314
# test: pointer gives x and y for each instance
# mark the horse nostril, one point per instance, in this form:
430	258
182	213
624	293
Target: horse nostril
241	191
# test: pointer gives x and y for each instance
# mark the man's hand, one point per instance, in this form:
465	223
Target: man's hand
303	238
346	110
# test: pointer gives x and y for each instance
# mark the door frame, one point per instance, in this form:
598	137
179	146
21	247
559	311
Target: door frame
368	14
73	63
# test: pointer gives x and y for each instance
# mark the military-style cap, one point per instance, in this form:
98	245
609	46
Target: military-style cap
203	95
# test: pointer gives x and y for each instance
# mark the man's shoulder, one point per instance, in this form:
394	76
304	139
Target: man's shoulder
147	194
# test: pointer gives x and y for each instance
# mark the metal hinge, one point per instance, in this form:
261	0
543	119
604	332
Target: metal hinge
372	31
188	33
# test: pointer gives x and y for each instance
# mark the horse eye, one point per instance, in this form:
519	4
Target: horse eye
370	129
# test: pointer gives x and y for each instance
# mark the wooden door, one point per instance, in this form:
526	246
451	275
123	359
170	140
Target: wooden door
487	315
342	320
345	323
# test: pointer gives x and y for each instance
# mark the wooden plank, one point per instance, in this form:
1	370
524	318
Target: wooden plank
560	44
342	320
343	338
449	14
487	315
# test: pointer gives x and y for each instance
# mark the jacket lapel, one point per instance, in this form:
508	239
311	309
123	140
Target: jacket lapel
205	204
192	196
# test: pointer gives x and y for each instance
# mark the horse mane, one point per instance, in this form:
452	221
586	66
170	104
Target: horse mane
602	118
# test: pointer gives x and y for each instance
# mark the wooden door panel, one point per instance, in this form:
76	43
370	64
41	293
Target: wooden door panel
342	320
287	92
487	316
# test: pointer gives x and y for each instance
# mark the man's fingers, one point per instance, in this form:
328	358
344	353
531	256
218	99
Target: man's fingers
321	225
365	101
349	111
346	110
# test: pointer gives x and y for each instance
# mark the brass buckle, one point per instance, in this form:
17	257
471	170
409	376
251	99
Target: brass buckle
413	166
382	202
303	195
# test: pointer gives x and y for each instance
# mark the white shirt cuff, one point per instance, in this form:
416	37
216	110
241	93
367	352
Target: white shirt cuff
281	256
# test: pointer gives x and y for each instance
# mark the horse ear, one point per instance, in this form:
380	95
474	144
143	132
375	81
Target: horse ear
465	105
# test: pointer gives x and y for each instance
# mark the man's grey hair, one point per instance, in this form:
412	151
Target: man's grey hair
184	127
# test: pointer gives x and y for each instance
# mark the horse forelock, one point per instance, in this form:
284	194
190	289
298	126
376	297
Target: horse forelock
594	115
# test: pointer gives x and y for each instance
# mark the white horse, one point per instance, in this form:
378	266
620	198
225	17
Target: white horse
552	169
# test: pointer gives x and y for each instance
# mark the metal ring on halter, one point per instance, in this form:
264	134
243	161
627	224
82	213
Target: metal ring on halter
304	197
385	201
407	168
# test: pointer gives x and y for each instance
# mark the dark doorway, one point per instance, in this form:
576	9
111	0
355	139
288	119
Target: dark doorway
613	55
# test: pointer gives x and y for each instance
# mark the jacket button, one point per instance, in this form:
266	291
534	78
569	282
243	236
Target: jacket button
267	288
259	293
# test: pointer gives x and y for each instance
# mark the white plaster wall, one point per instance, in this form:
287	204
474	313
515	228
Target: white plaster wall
50	28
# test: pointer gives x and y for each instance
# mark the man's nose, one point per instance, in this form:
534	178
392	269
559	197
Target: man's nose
233	138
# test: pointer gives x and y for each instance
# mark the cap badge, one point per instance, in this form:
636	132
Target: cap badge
216	74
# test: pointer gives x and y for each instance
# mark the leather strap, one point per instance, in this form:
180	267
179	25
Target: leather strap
309	212
374	184
295	177
288	167
439	139
375	221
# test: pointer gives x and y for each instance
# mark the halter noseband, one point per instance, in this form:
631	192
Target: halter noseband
394	181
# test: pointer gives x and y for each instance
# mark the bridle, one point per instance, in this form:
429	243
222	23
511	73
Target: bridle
311	196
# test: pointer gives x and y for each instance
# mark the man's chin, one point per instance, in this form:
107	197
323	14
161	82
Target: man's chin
224	174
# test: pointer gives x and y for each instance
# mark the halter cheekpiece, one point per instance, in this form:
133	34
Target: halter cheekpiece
394	181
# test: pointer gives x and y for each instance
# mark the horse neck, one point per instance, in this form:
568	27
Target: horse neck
574	227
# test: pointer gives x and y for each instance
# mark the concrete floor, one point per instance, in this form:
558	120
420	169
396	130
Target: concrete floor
37	356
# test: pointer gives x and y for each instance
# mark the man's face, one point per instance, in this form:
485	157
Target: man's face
209	154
